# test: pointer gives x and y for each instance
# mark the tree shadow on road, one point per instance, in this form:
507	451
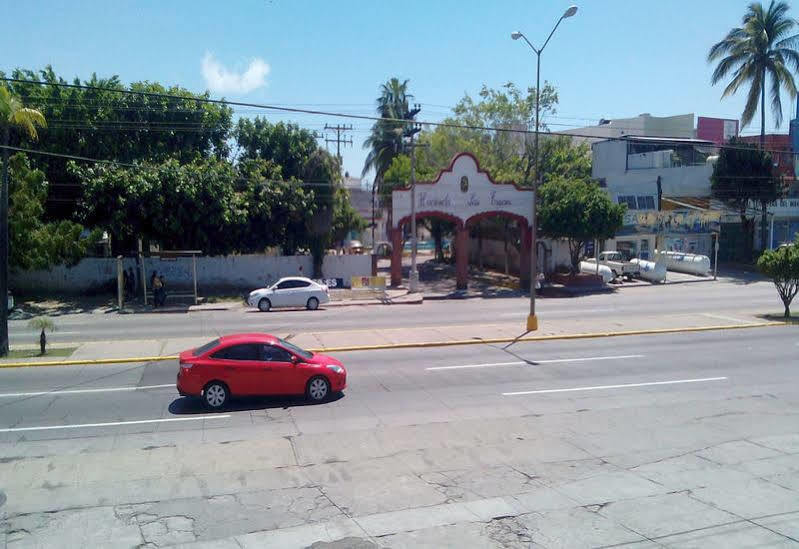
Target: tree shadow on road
191	406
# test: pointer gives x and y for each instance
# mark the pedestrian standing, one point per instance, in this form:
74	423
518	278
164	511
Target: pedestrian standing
157	287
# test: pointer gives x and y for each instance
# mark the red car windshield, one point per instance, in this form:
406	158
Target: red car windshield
294	349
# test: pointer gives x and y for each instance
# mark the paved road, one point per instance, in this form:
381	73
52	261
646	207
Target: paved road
721	298
678	440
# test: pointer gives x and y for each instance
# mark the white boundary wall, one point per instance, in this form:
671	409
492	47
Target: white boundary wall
240	272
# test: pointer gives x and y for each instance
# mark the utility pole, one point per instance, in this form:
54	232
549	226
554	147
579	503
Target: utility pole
339	128
4	247
413	279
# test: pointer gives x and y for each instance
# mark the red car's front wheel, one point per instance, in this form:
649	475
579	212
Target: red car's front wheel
318	389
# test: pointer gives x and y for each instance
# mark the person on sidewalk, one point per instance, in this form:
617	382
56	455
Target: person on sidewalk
158	287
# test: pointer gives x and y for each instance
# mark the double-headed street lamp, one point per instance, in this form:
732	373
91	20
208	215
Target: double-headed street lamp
532	320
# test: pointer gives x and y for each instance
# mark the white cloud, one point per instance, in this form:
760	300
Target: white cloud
220	79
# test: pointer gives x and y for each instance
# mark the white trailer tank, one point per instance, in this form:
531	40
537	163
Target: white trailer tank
687	263
590	267
651	270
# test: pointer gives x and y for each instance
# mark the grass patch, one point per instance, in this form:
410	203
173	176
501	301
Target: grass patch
60	352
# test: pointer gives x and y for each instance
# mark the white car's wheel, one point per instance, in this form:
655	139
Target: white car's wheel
264	305
318	389
312	304
216	395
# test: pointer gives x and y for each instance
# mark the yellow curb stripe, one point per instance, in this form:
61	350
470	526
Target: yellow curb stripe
87	361
591	335
474	341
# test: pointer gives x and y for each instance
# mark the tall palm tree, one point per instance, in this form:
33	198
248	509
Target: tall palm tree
764	45
385	141
12	114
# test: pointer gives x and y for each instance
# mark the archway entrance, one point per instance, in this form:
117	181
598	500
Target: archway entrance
462	194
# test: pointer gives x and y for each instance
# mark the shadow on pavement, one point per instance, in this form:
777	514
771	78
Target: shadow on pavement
190	405
793	319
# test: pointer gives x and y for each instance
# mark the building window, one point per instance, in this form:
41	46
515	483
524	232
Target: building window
646	202
629	200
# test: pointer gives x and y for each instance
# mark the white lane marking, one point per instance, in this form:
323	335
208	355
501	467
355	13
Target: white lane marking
519	362
111	424
729	318
82	391
559	311
623	386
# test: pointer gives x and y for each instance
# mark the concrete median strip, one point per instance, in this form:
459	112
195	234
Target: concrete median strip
422	344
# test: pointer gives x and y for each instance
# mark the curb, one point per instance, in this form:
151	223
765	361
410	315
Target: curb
590	335
421	345
87	361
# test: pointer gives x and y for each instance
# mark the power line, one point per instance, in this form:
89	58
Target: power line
283	107
398	121
68	156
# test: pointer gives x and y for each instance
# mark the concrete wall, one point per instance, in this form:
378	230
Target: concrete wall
493	254
552	254
234	272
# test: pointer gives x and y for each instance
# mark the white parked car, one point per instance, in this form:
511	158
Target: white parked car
294	291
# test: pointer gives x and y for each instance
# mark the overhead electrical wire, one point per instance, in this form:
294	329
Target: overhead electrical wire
398	121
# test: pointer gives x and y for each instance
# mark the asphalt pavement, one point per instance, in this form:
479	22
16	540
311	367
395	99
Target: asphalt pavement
646	441
722	298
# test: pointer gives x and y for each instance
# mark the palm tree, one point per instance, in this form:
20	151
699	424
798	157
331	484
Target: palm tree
385	141
12	113
764	45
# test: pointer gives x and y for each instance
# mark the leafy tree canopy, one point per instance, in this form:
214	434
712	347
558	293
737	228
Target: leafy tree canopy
743	174
207	205
115	126
782	266
578	211
34	243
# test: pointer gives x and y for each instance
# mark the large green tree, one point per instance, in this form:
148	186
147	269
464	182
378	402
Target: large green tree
277	211
180	206
782	267
507	154
34	242
298	154
579	211
742	176
104	123
764	45
209	205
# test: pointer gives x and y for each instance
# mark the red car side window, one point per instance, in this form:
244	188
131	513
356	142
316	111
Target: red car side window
246	351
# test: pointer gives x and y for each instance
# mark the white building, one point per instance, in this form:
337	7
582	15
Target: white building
681	125
651	174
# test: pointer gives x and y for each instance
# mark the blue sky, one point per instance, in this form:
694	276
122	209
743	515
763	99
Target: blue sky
615	58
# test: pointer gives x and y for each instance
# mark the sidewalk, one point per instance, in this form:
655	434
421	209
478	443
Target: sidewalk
338	298
340	340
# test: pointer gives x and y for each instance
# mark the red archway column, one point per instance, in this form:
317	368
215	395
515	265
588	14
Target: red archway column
396	257
524	258
462	257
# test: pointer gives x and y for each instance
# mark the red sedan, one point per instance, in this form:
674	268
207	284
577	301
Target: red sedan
256	364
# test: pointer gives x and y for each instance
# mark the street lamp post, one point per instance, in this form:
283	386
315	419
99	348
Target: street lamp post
532	320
